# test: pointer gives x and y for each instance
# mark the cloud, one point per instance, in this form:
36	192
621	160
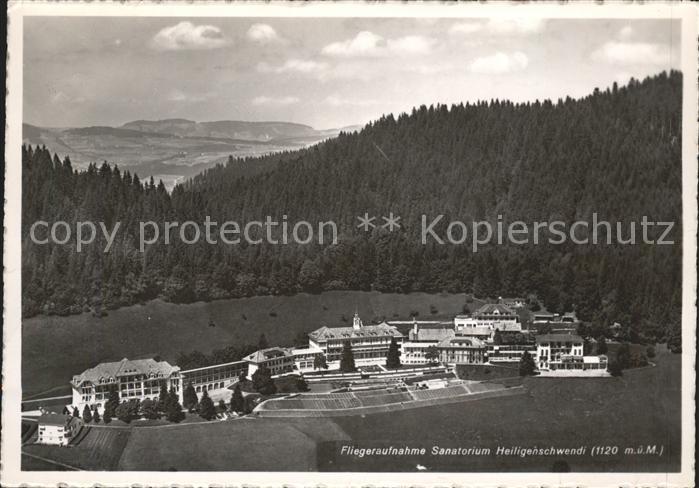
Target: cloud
306	66
263	100
187	36
412	45
365	43
630	53
262	34
368	44
500	26
499	63
626	32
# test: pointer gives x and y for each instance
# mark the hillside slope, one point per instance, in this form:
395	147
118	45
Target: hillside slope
616	153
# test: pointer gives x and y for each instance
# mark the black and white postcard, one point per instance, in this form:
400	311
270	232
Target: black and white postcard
275	244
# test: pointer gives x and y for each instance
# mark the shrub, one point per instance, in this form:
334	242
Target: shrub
127	411
614	368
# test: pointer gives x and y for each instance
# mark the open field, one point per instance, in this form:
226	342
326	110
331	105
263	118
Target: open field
99	450
239	445
558	412
555	412
165	329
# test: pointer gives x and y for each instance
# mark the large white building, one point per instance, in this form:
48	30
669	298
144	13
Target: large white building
283	360
278	360
214	377
509	353
421	339
369	342
305	358
486	320
562	354
461	350
497	316
139	378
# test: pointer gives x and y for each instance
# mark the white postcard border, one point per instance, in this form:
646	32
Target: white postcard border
11	453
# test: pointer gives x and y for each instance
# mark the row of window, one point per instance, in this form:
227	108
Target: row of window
209	376
209	387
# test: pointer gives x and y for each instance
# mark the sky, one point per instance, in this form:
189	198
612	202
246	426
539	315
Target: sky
327	73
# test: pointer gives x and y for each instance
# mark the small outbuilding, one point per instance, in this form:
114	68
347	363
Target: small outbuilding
57	429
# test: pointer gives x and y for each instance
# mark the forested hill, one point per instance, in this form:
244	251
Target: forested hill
615	152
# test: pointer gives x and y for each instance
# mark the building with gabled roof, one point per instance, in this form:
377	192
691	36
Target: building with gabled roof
515	302
421	338
462	350
55	429
486	320
369	342
562	355
497	316
279	360
132	379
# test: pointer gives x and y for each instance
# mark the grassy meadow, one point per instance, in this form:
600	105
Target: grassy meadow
55	348
555	412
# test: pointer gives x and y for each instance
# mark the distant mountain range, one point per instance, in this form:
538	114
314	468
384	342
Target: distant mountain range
230	129
173	149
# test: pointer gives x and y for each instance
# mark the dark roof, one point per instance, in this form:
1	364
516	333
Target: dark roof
559	338
494	308
269	353
430	334
108	372
381	330
53	419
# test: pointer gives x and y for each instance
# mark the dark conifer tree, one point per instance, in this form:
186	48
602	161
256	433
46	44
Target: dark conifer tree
173	411
189	397
347	359
87	414
263	382
320	362
207	410
527	366
393	356
237	400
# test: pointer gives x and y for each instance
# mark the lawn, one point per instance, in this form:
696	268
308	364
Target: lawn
55	348
100	450
238	445
640	408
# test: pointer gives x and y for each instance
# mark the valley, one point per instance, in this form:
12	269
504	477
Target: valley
172	150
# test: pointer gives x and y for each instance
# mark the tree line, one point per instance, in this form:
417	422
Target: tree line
616	152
